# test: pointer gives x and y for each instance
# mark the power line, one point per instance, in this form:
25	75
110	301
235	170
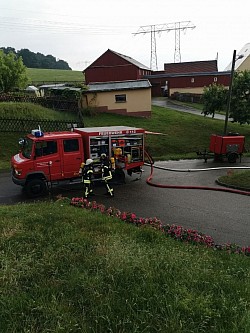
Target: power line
34	25
158	28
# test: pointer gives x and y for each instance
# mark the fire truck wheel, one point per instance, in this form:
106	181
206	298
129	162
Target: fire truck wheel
119	176
232	157
35	188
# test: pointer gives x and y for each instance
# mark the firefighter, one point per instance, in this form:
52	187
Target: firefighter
106	173
86	170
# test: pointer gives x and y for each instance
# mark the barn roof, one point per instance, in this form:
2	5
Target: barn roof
31	88
118	85
131	60
191	67
166	75
66	88
56	85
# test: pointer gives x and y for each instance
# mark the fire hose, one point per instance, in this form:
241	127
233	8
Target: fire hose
191	187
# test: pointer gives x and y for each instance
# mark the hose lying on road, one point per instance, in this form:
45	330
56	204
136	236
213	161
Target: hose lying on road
221	189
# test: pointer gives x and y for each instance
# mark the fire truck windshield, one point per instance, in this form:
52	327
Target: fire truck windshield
27	148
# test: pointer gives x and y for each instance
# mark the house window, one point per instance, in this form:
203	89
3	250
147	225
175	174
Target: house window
192	80
120	98
215	79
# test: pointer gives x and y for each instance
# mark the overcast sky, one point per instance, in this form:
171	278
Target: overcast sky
79	31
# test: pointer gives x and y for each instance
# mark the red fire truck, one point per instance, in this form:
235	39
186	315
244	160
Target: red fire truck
49	158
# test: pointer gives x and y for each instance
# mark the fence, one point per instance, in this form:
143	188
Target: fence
40	83
187	97
26	125
56	103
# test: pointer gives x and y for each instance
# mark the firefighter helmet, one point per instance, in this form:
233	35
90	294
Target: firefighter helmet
89	161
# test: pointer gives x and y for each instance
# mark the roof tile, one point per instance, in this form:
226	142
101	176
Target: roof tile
191	67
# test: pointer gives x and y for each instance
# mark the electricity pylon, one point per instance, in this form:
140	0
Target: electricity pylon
158	28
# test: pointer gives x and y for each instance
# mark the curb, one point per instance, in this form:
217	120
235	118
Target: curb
5	170
232	186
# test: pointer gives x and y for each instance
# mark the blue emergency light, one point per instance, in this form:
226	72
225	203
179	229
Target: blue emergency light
37	132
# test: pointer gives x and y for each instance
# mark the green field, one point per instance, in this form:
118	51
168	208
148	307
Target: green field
54	75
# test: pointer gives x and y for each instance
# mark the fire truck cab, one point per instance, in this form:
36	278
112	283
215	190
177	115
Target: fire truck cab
51	157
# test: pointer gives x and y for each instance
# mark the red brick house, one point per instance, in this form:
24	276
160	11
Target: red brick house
113	66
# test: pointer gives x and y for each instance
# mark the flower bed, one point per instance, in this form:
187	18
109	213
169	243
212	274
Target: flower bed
177	232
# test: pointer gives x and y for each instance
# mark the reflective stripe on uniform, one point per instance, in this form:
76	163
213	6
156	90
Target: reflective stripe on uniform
107	178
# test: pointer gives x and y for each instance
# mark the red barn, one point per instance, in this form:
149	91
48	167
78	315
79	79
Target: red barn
168	84
187	77
184	77
113	66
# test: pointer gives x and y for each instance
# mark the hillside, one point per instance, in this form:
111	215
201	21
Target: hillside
37	75
9	140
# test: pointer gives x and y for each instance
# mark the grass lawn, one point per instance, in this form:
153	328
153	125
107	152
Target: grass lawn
197	106
185	133
237	179
66	269
32	111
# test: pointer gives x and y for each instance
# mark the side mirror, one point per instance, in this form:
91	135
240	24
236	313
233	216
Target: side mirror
21	142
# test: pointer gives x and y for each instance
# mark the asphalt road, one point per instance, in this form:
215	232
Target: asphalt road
171	104
224	216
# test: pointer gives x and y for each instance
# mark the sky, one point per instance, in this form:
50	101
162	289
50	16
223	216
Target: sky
80	31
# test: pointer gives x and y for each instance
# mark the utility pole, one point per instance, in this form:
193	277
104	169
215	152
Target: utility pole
153	54
230	89
230	93
158	28
177	51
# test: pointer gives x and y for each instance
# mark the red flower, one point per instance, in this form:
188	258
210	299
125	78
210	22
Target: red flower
176	232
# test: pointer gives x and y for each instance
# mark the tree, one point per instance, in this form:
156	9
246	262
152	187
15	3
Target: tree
214	99
240	101
37	60
8	49
29	58
12	72
48	62
61	64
